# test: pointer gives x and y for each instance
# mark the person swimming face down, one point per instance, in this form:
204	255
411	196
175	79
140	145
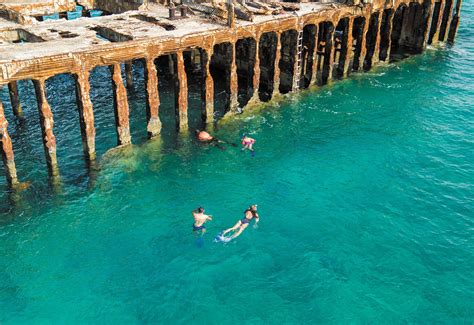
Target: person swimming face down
203	136
249	215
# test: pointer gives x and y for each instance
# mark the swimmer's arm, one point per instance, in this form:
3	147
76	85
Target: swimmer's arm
208	217
257	219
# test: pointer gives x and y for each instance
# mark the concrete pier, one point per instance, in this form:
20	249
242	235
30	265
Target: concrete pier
267	48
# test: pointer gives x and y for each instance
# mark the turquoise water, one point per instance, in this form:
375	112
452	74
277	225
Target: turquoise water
365	190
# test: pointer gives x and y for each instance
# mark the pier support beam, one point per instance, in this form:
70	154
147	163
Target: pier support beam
256	72
328	62
363	46
207	85
129	74
385	37
7	150
234	82
86	114
428	8
153	99
314	54
375	56
181	107
122	121
455	22
276	74
47	124
348	47
15	99
435	38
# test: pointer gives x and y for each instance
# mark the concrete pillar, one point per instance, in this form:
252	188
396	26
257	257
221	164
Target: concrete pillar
230	14
328	64
453	29
314	54
363	49
234	81
7	150
444	36
389	33
121	109
276	75
256	72
153	98
440	21
129	74
297	65
349	41
375	56
182	94
427	24
86	114
14	98
47	124
207	90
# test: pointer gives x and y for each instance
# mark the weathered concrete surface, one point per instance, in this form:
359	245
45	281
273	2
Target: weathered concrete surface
153	98
182	94
7	150
86	114
207	92
276	73
122	119
234	82
14	98
47	125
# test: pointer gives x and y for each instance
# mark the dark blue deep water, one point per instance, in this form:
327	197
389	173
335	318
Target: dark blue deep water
365	190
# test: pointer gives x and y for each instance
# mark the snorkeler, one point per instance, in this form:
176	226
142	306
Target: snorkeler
199	219
247	143
204	136
239	227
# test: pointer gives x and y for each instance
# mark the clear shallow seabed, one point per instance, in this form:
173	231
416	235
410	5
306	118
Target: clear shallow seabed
365	190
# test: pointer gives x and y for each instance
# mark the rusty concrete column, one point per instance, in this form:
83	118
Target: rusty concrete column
182	94
153	98
207	90
276	74
230	14
47	125
453	29
389	33
256	71
347	59
129	74
86	113
15	99
314	67
440	21
375	56
297	65
427	25
234	81
121	109
7	150
331	49
444	36
363	48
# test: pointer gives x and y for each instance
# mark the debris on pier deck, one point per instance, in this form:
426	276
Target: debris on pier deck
278	47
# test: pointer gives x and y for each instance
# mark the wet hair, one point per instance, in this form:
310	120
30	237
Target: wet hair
200	209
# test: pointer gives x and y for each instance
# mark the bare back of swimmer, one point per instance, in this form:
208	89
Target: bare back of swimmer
242	224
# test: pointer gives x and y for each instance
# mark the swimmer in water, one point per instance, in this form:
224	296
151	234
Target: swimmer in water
203	136
199	219
239	227
247	143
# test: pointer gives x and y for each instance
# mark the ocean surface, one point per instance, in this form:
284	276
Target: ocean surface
365	190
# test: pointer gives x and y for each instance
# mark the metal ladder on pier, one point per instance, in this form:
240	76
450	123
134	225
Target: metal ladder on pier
297	73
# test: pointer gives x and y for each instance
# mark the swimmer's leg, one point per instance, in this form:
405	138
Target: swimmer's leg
234	228
242	228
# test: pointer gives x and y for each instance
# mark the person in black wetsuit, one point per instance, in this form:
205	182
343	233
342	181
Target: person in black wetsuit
239	227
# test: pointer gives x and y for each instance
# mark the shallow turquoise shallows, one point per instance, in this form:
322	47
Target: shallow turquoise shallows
365	190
